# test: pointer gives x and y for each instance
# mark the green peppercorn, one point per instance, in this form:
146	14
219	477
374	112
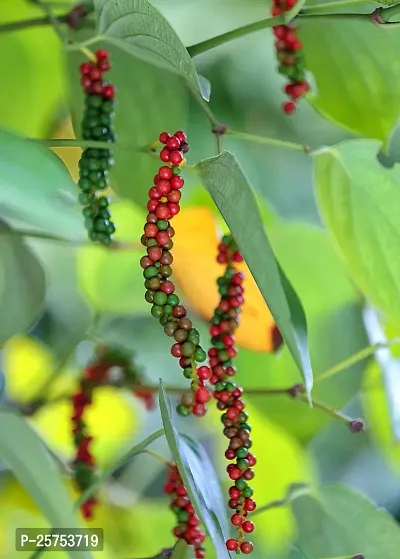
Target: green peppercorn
157	311
182	410
173	300
160	298
187	348
200	355
150	272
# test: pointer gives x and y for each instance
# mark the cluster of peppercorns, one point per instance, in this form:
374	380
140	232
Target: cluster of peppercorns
229	395
110	366
95	163
160	290
187	521
290	57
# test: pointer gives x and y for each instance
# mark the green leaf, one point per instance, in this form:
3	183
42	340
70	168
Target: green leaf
139	28
358	199
36	189
343	523
22	285
367	101
206	514
235	199
139	118
205	477
31	464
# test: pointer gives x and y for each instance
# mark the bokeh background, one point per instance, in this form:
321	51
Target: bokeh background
86	285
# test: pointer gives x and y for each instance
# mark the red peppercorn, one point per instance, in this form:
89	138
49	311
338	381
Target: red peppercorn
246	547
248	526
102	54
163	137
165	155
236	519
175	157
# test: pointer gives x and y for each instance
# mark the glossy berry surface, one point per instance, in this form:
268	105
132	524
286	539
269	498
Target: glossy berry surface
187	522
290	57
94	165
229	395
163	205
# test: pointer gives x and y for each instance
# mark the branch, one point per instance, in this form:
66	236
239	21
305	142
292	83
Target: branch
283	19
33	22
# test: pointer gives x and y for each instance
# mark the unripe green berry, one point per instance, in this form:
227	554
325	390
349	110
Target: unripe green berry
188	349
200	355
157	311
160	298
150	272
183	411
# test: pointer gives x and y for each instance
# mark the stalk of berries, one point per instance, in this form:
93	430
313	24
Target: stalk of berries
160	290
229	395
290	57
95	163
110	366
187	521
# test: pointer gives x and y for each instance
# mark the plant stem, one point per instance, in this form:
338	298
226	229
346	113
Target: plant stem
158	457
353	359
54	20
268	141
209	44
327	409
307	10
289	498
29	23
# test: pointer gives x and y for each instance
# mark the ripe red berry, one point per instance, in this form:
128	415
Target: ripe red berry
165	155
246	547
165	173
163	137
248	526
150	230
204	373
202	395
181	136
86	68
102	54
236	519
175	157
162	238
173	143
109	91
232	545
163	212
289	107
250	505
177	182
168	287
199	410
174	209
176	350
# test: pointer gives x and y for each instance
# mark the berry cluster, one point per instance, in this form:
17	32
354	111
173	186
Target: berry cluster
158	233
94	164
290	57
187	526
228	394
110	366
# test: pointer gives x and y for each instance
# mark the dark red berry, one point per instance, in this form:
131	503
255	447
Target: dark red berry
246	547
232	545
248	526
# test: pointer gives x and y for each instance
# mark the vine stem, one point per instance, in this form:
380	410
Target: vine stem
29	23
208	44
268	141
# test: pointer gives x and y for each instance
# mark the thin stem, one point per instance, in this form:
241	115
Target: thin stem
289	498
29	23
158	457
209	44
268	141
76	143
327	409
353	359
54	20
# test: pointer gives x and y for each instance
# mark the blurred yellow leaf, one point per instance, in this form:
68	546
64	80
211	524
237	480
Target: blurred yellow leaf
196	270
281	461
70	156
28	365
112	280
112	420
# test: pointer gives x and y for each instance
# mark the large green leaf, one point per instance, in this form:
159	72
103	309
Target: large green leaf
139	28
341	523
140	116
358	199
36	189
232	193
23	451
357	87
186	463
22	285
